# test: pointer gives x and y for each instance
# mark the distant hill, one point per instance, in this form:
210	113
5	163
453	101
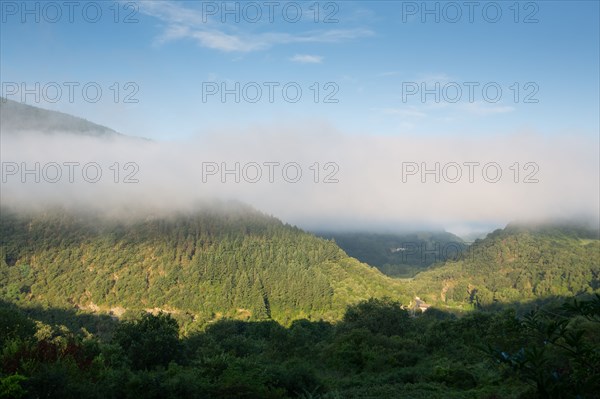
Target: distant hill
517	264
400	254
222	261
16	118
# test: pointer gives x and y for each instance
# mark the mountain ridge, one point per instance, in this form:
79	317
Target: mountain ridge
16	117
517	263
236	263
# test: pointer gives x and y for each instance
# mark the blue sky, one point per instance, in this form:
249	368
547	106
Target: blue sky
406	82
367	51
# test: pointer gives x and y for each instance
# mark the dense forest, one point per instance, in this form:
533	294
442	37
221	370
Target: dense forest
516	264
376	351
223	261
227	302
399	254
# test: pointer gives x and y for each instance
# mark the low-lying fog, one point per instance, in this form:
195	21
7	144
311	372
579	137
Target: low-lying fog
314	177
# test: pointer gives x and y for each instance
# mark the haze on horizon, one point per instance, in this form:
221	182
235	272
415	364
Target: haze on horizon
386	96
347	182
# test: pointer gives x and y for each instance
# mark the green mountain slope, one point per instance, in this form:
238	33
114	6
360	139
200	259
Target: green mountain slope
517	264
224	261
16	117
400	254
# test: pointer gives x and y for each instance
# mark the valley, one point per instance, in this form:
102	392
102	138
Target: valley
299	200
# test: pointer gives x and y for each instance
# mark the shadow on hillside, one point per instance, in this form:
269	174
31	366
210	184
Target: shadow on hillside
377	343
378	316
550	302
101	325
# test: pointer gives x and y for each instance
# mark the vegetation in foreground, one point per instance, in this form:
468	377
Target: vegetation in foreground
254	308
377	351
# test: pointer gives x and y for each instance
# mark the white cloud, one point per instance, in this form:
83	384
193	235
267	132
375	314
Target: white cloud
370	190
187	23
443	112
307	59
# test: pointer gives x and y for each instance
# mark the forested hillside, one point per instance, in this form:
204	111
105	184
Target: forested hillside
517	264
376	351
227	302
399	254
237	262
18	117
222	261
